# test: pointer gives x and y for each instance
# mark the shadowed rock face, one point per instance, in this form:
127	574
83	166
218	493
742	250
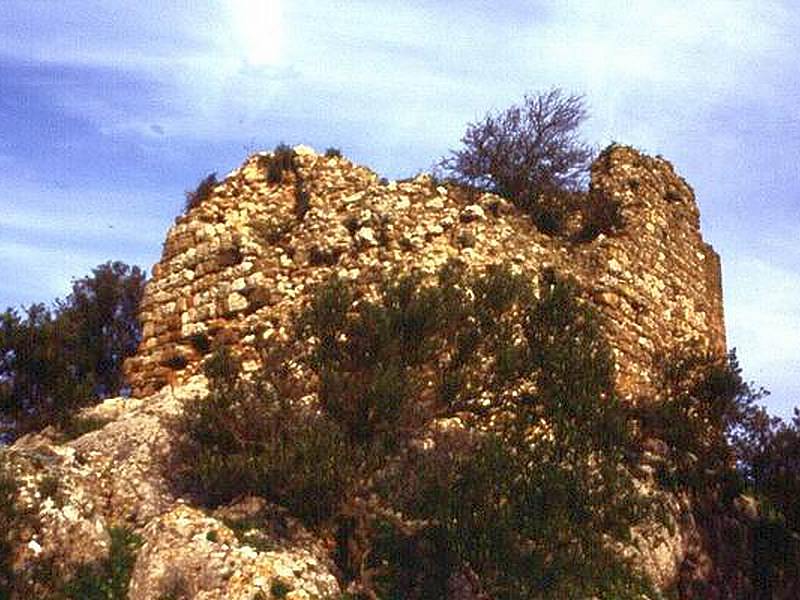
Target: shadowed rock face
244	260
241	264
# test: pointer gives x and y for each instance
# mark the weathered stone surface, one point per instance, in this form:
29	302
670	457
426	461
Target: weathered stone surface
243	257
199	556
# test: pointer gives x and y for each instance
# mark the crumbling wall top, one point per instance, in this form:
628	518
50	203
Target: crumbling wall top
244	260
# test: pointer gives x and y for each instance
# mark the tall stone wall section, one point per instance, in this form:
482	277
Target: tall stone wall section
239	266
657	282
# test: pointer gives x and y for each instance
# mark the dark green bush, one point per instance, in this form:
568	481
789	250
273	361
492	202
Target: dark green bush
201	193
247	438
302	200
54	361
279	588
37	368
200	342
532	516
333	153
775	469
280	162
768	459
175	361
368	359
277	165
722	445
704	408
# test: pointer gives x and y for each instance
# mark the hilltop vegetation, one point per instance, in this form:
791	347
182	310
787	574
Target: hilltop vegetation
470	428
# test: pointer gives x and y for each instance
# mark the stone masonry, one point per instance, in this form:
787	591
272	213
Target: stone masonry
242	262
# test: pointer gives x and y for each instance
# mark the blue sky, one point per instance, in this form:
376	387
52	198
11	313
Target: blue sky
109	110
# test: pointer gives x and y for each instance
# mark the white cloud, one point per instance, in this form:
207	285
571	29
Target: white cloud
191	72
50	235
762	312
223	67
650	68
34	224
258	29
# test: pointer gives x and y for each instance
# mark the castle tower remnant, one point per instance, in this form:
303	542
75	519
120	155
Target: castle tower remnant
658	283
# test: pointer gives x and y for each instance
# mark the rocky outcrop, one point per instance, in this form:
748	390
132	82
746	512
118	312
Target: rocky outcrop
75	492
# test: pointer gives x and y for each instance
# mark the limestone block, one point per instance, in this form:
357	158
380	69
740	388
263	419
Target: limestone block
366	237
473	212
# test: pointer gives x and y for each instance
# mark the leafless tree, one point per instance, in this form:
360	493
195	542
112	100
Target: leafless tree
526	151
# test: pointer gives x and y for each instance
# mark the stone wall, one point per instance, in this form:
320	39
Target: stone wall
240	264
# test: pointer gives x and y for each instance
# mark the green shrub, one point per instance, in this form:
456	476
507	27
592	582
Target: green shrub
279	588
56	361
333	153
245	438
201	193
280	162
200	342
75	426
277	165
302	200
50	487
250	531
109	578
553	210
722	445
365	358
705	405
775	555
175	361
532	514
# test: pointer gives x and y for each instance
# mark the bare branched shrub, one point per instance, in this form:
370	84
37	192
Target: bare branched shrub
526	152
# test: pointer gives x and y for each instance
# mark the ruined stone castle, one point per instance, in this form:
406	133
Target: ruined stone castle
237	268
240	264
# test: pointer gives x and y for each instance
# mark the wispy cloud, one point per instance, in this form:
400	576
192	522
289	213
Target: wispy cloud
50	235
34	273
